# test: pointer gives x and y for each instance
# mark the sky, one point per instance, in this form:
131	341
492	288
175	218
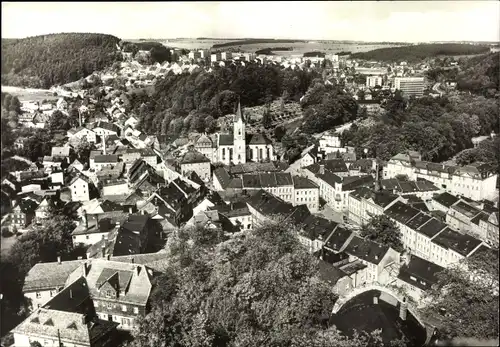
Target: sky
409	21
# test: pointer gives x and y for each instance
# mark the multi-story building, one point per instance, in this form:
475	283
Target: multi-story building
410	86
306	192
475	181
237	213
67	319
79	187
119	291
365	203
23	213
372	81
330	142
197	162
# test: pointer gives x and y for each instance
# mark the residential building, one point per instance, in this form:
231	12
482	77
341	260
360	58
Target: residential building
44	280
449	247
23	213
265	207
365	203
330	142
410	86
80	188
314	232
305	192
197	162
96	227
119	291
460	214
68	319
238	213
115	187
82	133
106	129
417	276
101	161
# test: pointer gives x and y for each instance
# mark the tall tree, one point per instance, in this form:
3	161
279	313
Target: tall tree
383	230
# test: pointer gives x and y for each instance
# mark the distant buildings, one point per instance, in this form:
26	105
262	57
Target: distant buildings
410	86
372	81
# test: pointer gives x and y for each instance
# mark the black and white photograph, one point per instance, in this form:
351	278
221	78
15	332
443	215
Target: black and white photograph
250	174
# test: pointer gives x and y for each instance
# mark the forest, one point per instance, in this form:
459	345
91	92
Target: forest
180	103
416	53
439	128
480	75
269	50
47	60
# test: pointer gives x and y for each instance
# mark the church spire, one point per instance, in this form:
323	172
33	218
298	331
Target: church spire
239	116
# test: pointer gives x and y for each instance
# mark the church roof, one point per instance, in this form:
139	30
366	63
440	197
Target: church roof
226	140
238	116
258	139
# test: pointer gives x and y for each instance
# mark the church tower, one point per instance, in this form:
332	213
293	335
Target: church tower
240	148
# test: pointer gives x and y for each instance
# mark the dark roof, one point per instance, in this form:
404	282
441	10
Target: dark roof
226	140
108	126
236	209
303	183
364	165
423	272
446	199
193	157
329	177
49	275
251	167
466	209
266	179
222	176
338	238
417	221
380	198
300	214
257	139
389	184
461	243
367	250
251	181
315	227
283	179
330	273
333	165
401	212
108	158
480	217
267	204
353	182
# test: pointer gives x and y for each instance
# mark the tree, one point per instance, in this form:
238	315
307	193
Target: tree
266	119
258	290
383	230
279	132
58	121
83	149
210	124
465	297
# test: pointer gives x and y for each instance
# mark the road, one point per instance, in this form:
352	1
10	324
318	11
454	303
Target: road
436	88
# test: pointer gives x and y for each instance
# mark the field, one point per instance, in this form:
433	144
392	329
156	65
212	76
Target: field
298	48
29	94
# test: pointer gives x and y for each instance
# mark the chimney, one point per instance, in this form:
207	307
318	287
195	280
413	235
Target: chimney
132	260
71	293
231	206
59	259
103	251
85	269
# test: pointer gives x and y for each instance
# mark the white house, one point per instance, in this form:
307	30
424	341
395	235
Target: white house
79	187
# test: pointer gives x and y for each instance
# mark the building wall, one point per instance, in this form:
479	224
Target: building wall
89	239
259	153
309	197
201	169
244	221
80	191
306	160
115	189
40	298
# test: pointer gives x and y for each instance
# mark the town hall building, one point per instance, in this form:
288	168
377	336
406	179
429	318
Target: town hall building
236	148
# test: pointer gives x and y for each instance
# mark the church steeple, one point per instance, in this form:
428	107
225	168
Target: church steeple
239	116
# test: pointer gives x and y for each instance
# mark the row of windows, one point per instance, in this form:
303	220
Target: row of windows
110	306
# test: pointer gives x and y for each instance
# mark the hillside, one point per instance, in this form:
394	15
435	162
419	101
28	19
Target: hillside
480	75
416	53
43	61
252	41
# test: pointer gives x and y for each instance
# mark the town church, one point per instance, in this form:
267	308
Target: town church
236	148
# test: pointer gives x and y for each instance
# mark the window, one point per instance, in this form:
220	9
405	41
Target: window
124	308
125	321
38	295
136	310
109	305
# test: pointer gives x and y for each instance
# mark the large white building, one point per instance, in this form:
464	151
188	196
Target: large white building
410	86
475	181
237	148
372	81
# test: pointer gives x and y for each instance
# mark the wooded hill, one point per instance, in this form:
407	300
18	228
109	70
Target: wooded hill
47	60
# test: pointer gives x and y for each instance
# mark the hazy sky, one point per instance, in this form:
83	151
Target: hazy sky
410	21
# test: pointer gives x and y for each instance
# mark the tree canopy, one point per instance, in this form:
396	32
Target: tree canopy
43	61
383	230
261	289
469	296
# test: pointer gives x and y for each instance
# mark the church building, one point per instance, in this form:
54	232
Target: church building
236	148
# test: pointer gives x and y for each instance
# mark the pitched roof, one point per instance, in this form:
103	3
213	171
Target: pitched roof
418	221
315	227
108	126
108	158
419	272
139	283
193	157
49	275
303	183
333	165
232	210
367	250
465	209
257	139
353	182
329	177
226	140
445	199
338	238
283	179
431	228
268	204
401	212
463	244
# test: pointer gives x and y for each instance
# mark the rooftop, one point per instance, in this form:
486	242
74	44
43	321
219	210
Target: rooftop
49	275
193	157
419	272
367	250
463	244
401	212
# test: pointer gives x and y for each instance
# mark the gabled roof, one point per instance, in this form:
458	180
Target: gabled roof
226	140
194	157
418	221
463	244
108	158
333	165
401	212
465	209
303	183
353	182
338	238
431	228
367	250
329	177
107	126
223	177
80	177
49	275
419	272
268	204
446	199
257	139
315	227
